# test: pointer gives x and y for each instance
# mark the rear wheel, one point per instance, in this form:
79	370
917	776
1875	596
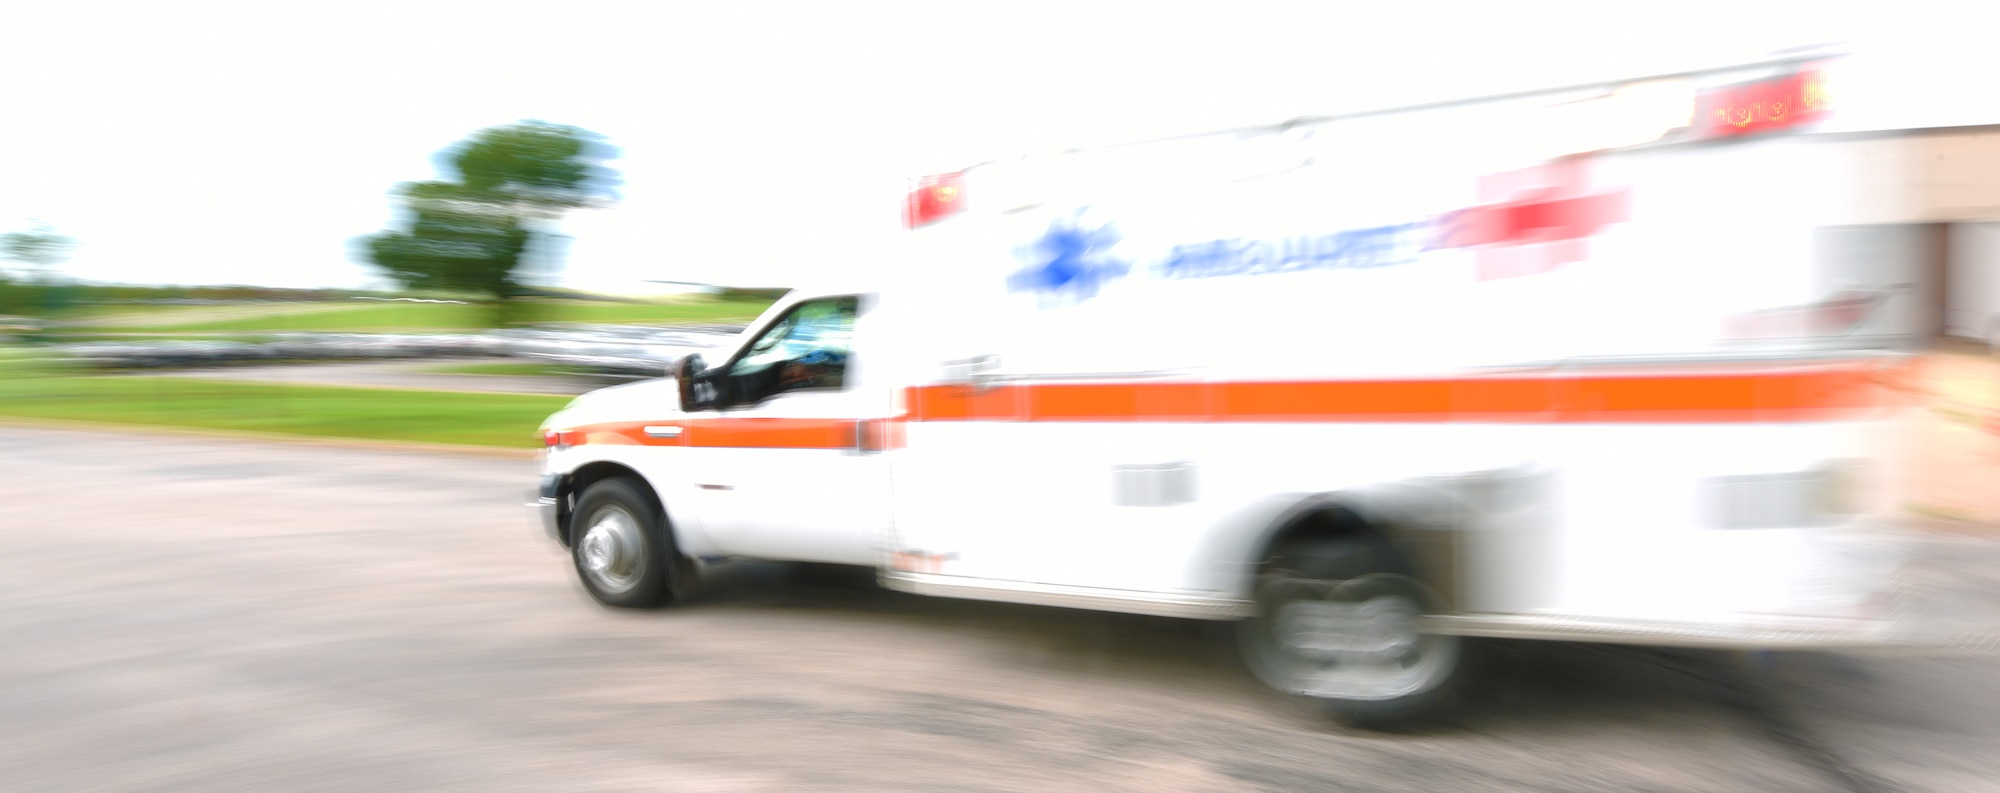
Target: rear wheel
619	545
1338	621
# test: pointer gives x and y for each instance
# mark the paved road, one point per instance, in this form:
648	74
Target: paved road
193	614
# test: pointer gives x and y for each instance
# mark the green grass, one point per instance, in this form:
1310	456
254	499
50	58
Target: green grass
118	317
375	317
512	369
50	391
354	317
656	313
142	338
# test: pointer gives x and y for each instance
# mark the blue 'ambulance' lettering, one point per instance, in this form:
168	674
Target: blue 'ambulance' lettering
1384	246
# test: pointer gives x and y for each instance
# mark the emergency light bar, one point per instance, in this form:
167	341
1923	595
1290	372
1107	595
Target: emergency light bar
936	198
1674	110
1784	102
1665	109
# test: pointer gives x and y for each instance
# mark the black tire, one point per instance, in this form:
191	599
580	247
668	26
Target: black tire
619	546
1336	623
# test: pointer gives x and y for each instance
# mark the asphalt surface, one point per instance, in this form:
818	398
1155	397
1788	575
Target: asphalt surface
196	614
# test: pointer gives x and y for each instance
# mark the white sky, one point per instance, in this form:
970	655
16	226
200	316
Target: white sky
207	143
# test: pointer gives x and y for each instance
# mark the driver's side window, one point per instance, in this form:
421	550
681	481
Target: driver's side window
806	349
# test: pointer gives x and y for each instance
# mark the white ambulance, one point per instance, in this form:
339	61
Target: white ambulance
1560	365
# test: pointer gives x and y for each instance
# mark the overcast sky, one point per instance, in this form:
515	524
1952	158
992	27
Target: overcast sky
206	143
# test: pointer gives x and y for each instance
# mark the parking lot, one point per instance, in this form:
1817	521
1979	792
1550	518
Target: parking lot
234	615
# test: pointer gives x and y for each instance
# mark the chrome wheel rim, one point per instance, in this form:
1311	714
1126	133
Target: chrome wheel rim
1358	639
612	552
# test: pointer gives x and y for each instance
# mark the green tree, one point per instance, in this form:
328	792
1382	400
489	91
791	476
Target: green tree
505	188
36	292
40	247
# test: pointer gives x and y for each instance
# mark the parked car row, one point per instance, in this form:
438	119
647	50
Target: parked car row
624	351
283	347
12	327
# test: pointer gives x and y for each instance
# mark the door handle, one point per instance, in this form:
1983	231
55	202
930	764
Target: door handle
663	432
716	487
874	436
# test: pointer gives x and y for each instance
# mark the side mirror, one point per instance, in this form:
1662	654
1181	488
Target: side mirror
685	372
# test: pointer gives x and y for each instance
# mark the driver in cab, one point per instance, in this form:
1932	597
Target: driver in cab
806	350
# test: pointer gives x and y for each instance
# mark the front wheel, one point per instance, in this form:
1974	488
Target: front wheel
619	546
1338	621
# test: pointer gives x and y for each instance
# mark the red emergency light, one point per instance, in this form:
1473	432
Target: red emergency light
1777	103
936	198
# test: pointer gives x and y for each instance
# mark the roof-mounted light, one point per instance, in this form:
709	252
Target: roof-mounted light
1784	102
936	198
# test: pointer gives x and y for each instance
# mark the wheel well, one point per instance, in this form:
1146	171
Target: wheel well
1319	521
1429	553
589	474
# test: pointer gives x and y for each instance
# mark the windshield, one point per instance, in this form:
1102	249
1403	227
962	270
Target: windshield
824	326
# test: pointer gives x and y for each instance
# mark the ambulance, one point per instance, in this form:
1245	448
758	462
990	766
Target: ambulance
1566	364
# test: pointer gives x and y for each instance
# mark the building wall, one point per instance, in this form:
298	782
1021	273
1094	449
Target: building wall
1914	176
1972	307
1926	202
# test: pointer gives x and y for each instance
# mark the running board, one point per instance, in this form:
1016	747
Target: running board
1796	633
1124	601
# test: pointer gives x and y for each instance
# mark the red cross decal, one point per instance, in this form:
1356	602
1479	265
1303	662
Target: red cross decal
1541	218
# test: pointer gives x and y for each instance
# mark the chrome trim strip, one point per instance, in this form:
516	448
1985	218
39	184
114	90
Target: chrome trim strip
1888	636
1891	636
1125	601
547	510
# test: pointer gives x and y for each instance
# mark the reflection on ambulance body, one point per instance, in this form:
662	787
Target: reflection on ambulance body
1611	263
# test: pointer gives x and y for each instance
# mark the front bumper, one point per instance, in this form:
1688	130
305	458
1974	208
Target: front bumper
547	502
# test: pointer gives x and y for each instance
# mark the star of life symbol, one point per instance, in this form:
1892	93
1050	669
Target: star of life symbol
1071	261
1540	218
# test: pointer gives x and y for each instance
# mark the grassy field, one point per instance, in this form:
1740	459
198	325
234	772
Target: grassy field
507	368
379	317
121	316
33	389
